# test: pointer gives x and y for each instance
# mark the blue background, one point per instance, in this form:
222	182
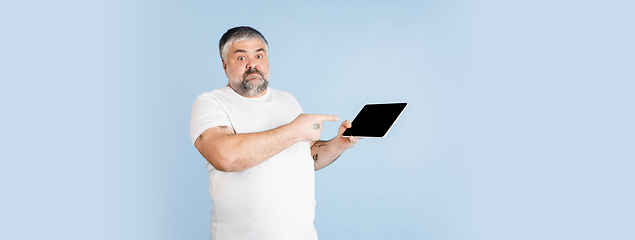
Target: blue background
519	124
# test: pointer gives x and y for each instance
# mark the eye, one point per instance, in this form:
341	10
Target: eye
259	56
241	58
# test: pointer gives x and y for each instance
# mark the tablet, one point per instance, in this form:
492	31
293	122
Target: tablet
375	120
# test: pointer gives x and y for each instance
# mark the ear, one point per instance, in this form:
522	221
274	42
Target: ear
224	64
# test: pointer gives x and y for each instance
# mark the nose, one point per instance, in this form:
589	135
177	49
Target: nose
252	64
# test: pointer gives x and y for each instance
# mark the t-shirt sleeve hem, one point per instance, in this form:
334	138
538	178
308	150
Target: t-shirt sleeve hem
198	132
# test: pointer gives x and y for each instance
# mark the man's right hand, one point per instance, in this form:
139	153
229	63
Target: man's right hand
308	127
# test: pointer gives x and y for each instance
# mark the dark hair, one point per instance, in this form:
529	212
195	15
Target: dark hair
239	34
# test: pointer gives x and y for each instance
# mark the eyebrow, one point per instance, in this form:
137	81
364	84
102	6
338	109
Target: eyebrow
243	51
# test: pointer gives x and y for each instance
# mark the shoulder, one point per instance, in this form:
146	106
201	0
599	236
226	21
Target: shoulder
215	93
280	94
214	99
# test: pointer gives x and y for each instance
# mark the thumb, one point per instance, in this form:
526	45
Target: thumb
345	125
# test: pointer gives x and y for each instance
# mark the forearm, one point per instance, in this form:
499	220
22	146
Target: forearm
238	152
231	152
325	152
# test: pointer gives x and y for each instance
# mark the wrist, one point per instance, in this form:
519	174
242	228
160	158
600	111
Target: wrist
344	143
291	132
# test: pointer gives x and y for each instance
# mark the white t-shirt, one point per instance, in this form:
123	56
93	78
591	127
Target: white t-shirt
274	200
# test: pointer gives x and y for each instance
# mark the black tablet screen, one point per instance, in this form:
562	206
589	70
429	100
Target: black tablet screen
374	120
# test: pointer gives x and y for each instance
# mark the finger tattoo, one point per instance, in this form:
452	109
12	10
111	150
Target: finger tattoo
315	126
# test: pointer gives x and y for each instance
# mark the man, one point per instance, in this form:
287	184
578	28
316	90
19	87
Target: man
261	150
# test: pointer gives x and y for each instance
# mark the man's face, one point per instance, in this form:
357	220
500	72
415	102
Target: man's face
247	67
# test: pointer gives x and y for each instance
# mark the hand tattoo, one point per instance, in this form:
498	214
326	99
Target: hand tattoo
223	127
315	157
315	126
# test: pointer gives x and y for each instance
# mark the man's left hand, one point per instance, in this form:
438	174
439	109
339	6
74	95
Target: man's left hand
345	142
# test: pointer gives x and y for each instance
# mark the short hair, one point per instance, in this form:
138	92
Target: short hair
239	34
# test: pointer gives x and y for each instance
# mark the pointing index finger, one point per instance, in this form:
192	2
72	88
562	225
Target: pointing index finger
324	117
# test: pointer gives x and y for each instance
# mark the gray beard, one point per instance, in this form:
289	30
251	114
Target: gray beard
249	90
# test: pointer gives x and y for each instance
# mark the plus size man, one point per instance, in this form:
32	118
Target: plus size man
261	149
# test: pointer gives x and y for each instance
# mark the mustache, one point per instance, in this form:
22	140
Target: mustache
251	71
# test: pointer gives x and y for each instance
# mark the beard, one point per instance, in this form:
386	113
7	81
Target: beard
244	86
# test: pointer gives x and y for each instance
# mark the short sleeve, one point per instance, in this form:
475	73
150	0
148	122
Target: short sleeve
207	112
